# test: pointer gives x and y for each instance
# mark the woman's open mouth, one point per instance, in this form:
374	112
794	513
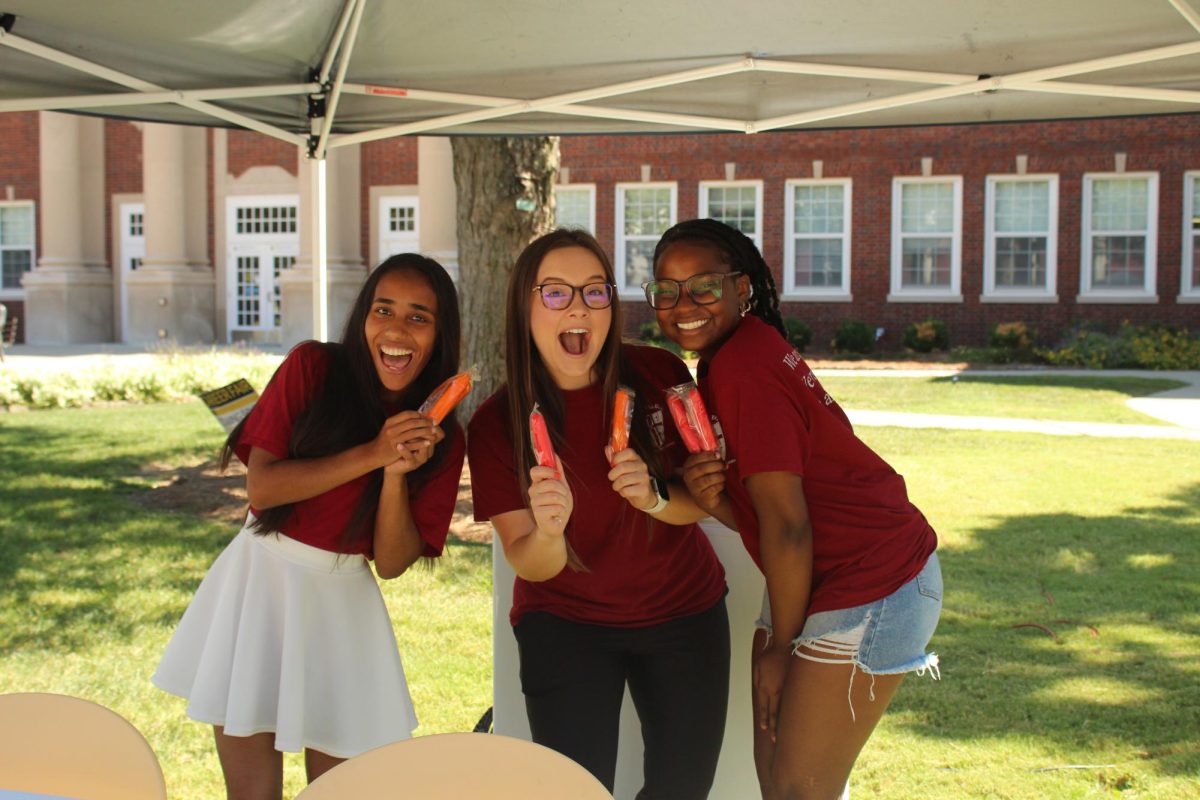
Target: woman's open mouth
395	359
575	340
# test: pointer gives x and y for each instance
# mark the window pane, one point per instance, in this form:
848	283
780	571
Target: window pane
925	263
1022	206
647	211
818	262
819	209
1120	204
927	208
1021	262
639	262
1118	261
573	208
16	225
736	206
1196	262
14	264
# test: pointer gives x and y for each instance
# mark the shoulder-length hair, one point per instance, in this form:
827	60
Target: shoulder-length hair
350	407
528	379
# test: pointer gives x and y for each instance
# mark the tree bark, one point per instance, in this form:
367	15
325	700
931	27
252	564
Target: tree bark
505	193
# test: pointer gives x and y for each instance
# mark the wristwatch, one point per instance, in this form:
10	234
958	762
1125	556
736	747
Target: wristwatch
662	494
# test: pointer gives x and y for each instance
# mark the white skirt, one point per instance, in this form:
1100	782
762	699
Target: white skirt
286	637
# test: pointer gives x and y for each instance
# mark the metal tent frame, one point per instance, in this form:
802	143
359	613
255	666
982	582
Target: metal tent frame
328	84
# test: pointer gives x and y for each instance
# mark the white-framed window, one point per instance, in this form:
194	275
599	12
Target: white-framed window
1189	288
816	244
399	225
644	212
1020	254
927	239
1120	237
17	238
736	203
575	206
262	241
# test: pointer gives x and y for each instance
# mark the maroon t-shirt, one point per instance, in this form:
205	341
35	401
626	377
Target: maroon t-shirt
321	521
868	539
638	574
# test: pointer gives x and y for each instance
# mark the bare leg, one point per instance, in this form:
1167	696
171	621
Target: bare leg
764	748
317	763
252	766
817	742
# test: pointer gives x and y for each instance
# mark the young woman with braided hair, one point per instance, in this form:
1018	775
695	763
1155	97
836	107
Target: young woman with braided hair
852	581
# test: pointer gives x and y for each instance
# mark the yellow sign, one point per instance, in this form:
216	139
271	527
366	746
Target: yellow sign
231	403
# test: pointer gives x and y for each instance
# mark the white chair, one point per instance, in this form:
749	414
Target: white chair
53	744
455	766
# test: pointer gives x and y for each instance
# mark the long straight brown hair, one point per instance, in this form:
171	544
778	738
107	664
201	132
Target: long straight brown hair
530	382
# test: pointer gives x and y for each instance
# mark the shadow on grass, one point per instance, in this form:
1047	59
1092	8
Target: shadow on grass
1081	631
1129	386
86	557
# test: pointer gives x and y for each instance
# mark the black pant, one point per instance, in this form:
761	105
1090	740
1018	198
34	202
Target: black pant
573	676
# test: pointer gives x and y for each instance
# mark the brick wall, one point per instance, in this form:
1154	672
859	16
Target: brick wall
249	149
122	173
1169	145
19	176
387	162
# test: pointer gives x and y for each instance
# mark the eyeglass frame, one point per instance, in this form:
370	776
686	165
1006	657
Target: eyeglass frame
684	285
612	292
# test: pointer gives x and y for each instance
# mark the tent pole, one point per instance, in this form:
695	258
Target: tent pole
335	92
152	98
320	255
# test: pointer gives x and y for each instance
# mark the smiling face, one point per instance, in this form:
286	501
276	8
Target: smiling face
569	340
401	329
702	328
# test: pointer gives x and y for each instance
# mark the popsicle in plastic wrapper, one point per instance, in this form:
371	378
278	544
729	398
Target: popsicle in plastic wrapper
445	397
622	418
691	418
539	434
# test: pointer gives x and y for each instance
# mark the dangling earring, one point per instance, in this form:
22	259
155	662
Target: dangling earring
744	306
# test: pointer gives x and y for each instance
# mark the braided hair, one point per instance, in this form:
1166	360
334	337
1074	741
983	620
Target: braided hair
737	250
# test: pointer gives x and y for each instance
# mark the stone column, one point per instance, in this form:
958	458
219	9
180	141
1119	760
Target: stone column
346	273
69	295
171	295
438	220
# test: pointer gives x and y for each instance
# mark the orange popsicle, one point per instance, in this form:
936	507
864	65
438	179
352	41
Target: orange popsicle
446	397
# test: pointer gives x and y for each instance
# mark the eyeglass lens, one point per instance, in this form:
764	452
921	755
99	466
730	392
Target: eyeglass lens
557	296
704	289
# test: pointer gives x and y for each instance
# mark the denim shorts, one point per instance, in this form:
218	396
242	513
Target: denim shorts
885	637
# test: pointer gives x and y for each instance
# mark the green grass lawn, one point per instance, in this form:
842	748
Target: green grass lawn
1098	540
92	583
1052	397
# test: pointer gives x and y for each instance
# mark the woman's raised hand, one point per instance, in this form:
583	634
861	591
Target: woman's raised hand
704	476
550	498
405	442
631	478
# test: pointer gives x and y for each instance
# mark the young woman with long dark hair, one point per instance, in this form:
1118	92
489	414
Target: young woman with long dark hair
615	585
287	644
853	582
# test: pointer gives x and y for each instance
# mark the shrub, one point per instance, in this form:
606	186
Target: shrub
927	336
799	334
1085	346
650	333
1165	347
853	336
1016	336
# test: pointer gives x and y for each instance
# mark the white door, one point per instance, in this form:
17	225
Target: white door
263	241
398	226
132	249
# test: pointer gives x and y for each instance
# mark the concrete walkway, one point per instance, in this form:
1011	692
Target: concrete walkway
1178	407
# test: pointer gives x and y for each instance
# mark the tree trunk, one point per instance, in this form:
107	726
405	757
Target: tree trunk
505	193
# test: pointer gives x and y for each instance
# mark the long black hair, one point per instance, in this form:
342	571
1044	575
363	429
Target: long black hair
349	409
738	251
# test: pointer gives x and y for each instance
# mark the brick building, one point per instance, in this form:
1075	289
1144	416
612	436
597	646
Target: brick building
118	231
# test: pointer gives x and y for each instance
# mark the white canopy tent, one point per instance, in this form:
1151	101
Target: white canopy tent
323	74
329	73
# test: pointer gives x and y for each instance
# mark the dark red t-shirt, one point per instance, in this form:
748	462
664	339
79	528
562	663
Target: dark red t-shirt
868	539
637	575
321	521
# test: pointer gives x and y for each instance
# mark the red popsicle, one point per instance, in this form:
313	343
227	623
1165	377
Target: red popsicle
543	449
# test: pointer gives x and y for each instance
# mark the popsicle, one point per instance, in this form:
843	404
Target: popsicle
445	397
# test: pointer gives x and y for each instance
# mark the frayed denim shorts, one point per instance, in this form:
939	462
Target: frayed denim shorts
885	637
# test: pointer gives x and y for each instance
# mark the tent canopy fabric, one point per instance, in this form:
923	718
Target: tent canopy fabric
547	66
